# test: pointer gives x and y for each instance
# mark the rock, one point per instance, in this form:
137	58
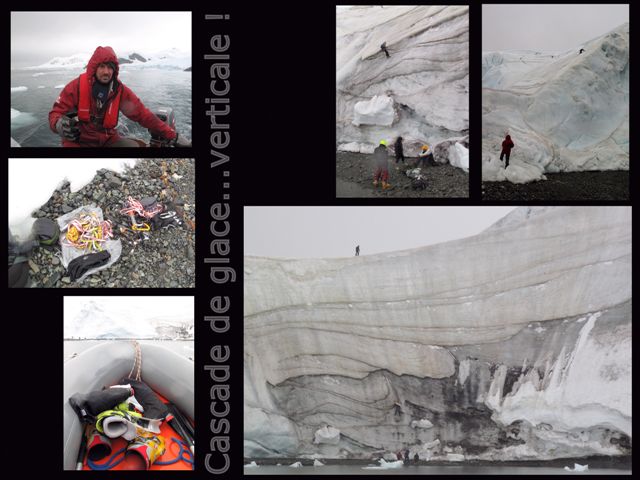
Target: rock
190	253
66	208
66	280
34	268
55	261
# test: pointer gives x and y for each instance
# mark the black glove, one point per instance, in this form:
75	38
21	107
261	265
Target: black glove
180	141
67	127
81	265
166	219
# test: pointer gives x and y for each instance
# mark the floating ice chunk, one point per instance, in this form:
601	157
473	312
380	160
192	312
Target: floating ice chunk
251	465
59	86
318	463
455	457
39	74
577	468
384	465
41	86
296	465
18	89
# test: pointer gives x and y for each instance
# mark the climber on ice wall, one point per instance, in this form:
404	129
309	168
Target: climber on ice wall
507	145
383	47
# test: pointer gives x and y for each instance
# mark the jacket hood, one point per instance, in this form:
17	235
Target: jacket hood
102	55
508	137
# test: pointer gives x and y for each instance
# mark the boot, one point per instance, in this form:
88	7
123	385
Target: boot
385	186
98	446
144	450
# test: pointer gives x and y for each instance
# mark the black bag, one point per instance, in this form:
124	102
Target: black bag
81	265
88	405
153	406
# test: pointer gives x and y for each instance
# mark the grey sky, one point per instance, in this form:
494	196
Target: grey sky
547	27
39	36
323	232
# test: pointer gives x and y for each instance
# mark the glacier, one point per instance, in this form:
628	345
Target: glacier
565	111
420	92
513	344
172	59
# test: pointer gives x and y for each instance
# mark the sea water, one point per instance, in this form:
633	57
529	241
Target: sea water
154	87
427	470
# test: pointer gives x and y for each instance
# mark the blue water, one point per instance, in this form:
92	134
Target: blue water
427	470
155	87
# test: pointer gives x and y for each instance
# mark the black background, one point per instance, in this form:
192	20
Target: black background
282	153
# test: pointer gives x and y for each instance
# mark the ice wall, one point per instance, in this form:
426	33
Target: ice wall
565	111
426	77
514	343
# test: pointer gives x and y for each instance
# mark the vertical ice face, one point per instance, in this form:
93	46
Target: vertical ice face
509	343
565	111
419	92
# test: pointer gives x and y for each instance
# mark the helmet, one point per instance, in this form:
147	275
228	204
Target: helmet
425	147
383	142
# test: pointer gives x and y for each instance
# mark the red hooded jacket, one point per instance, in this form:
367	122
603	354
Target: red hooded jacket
507	145
94	133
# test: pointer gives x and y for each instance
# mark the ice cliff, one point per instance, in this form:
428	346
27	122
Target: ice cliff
565	111
511	344
420	92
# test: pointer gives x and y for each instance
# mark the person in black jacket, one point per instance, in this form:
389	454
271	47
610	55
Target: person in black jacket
399	151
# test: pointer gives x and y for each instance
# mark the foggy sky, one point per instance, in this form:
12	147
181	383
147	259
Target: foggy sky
547	27
36	37
315	232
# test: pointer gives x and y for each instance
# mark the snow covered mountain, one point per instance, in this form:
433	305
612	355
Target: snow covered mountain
420	92
98	321
172	59
565	111
511	344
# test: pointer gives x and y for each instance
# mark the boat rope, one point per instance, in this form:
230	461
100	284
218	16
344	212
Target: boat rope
137	362
184	454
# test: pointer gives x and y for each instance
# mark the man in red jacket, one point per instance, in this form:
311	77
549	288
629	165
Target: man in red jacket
507	145
98	97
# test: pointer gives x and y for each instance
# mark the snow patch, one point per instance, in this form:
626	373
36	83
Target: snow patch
18	89
377	111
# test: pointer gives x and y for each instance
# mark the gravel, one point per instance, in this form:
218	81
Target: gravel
166	259
608	185
354	178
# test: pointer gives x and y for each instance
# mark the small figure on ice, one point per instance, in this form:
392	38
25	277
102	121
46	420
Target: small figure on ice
507	145
383	47
581	50
357	250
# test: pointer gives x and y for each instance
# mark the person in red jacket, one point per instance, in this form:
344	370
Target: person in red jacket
98	97
507	145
